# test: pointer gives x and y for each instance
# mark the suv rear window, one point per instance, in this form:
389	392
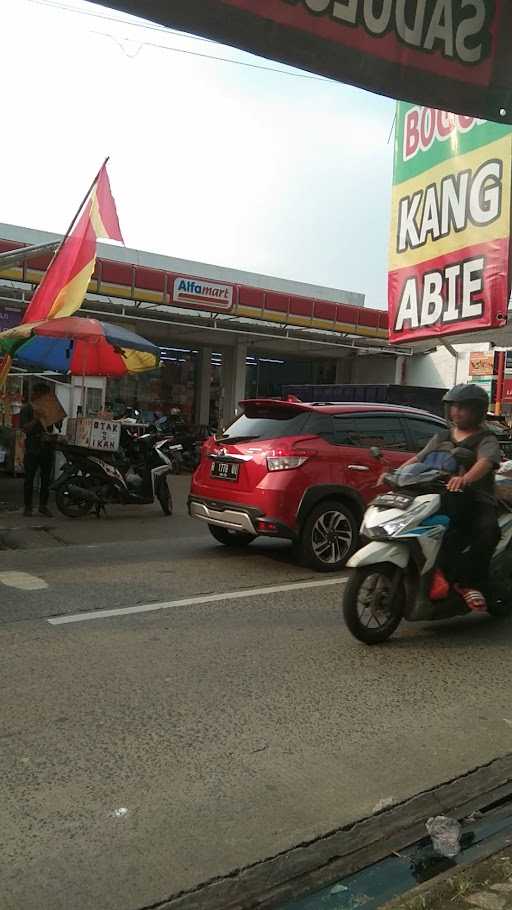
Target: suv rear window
266	423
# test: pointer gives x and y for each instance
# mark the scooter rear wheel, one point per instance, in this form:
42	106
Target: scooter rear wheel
370	614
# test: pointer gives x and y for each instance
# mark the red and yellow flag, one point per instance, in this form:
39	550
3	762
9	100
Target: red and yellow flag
67	278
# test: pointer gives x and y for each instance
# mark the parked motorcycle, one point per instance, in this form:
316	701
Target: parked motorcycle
130	448
392	575
190	439
137	476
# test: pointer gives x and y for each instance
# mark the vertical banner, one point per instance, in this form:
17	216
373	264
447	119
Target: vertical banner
450	225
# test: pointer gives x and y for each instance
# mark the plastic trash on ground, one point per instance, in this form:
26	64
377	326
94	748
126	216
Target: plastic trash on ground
445	833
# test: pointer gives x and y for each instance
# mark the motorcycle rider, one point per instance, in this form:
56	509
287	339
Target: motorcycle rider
474	516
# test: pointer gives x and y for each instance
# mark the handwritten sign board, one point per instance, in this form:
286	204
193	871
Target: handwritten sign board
94	433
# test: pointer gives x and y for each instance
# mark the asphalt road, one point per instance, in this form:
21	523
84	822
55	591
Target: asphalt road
146	753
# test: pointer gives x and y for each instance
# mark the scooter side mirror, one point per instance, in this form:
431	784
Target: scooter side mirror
376	452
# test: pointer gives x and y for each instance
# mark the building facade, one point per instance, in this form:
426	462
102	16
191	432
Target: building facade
223	334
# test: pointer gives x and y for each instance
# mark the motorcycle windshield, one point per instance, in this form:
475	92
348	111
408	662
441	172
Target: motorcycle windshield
423	477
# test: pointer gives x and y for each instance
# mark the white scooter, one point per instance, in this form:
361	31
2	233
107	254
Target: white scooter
392	575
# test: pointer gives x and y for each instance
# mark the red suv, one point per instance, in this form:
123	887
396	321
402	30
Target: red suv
304	472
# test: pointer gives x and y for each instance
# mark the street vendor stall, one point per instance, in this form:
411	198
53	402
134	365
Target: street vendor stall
82	348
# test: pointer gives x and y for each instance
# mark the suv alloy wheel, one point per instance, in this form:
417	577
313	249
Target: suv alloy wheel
329	536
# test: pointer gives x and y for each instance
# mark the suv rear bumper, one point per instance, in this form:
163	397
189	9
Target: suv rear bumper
234	517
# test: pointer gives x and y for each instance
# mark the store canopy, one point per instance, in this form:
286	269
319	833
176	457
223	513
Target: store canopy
23	254
449	54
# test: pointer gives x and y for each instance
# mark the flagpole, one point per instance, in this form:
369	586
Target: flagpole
80	207
86	351
77	213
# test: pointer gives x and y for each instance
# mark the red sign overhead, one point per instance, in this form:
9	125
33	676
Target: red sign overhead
507	390
450	54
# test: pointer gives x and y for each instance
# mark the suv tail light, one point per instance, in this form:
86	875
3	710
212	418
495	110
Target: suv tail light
285	462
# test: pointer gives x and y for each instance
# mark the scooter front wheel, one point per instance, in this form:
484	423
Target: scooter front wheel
374	602
164	496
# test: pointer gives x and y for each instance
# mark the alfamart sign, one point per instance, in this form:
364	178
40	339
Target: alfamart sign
209	295
450	228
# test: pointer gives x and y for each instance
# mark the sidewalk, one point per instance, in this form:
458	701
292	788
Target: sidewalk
119	523
486	885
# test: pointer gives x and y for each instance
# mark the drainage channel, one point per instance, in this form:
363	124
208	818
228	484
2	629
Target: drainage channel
397	874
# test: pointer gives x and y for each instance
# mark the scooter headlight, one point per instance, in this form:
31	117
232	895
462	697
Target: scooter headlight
394	526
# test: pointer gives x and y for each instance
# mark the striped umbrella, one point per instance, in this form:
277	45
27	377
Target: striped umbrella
80	347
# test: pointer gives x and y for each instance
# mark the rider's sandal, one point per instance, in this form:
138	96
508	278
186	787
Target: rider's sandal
473	599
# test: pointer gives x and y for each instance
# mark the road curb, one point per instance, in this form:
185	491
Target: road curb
308	867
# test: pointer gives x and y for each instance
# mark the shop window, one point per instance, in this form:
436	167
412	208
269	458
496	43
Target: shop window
94	402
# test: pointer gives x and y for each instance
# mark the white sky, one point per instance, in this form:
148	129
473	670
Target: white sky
211	161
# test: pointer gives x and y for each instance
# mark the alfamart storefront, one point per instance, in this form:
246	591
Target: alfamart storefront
223	334
175	384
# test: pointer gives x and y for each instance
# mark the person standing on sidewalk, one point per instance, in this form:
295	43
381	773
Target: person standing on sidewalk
39	452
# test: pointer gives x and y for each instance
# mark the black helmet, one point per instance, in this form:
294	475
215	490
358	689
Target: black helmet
471	395
467	393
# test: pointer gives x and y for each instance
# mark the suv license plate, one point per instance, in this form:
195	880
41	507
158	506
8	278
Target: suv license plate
225	470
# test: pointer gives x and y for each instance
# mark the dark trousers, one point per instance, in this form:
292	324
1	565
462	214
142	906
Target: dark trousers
474	525
43	459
